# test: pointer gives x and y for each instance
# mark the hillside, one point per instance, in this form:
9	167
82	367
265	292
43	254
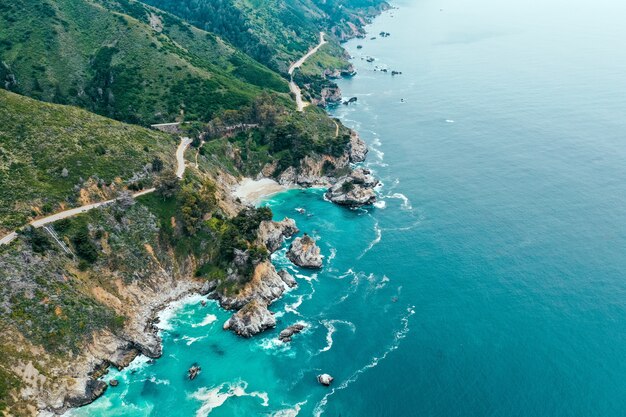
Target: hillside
124	60
275	32
54	156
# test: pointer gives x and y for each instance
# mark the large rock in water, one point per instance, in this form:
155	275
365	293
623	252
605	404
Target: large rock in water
286	334
273	234
253	318
354	190
305	253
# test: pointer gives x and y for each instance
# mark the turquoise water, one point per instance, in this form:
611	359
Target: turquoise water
492	282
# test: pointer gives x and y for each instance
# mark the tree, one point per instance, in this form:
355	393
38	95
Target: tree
157	164
167	184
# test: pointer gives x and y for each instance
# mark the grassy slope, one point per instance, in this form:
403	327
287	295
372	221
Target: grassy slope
38	140
104	56
277	32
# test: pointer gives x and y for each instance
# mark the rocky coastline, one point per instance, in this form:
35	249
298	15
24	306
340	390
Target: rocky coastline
250	305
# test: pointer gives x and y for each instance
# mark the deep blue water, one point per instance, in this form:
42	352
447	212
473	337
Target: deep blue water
492	283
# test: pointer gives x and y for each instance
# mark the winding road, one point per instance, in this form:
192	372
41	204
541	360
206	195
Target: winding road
300	104
180	171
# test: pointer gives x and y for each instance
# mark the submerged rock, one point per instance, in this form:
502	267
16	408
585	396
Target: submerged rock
305	253
354	190
286	334
325	379
253	318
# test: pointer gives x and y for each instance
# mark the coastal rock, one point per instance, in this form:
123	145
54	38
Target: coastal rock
354	190
328	95
357	149
93	388
286	334
265	286
325	379
289	280
114	382
253	318
207	287
272	234
305	253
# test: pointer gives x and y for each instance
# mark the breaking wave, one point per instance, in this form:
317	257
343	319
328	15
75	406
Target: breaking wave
212	398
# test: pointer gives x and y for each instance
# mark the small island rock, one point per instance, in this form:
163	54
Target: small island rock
325	379
305	253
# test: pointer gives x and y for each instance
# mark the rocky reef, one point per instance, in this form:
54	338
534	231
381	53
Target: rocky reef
354	190
305	253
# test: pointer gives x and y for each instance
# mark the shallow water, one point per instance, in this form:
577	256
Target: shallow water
489	281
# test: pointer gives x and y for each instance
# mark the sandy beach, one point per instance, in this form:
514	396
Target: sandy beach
252	191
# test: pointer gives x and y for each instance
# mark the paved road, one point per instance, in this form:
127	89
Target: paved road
180	171
300	104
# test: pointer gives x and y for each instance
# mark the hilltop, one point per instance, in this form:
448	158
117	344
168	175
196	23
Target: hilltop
124	60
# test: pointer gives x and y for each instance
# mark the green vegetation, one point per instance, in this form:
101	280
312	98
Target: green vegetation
49	152
275	32
121	59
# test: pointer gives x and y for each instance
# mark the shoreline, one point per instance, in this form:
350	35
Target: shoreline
248	191
251	191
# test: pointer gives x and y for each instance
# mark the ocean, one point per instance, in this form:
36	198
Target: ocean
490	278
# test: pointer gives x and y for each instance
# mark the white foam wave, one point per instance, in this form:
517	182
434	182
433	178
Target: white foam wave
293	308
380	204
398	336
154	380
168	313
215	397
379	236
333	253
289	412
191	340
449	121
208	319
406	204
331	329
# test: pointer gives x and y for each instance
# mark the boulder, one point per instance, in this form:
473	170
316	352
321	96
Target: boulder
253	318
114	382
305	253
354	190
325	379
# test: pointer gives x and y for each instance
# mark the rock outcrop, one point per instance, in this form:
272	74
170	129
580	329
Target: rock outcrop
357	149
266	286
286	334
328	95
354	190
305	253
253	318
272	234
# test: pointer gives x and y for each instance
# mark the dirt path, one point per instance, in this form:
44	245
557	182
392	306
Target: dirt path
293	87
180	171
